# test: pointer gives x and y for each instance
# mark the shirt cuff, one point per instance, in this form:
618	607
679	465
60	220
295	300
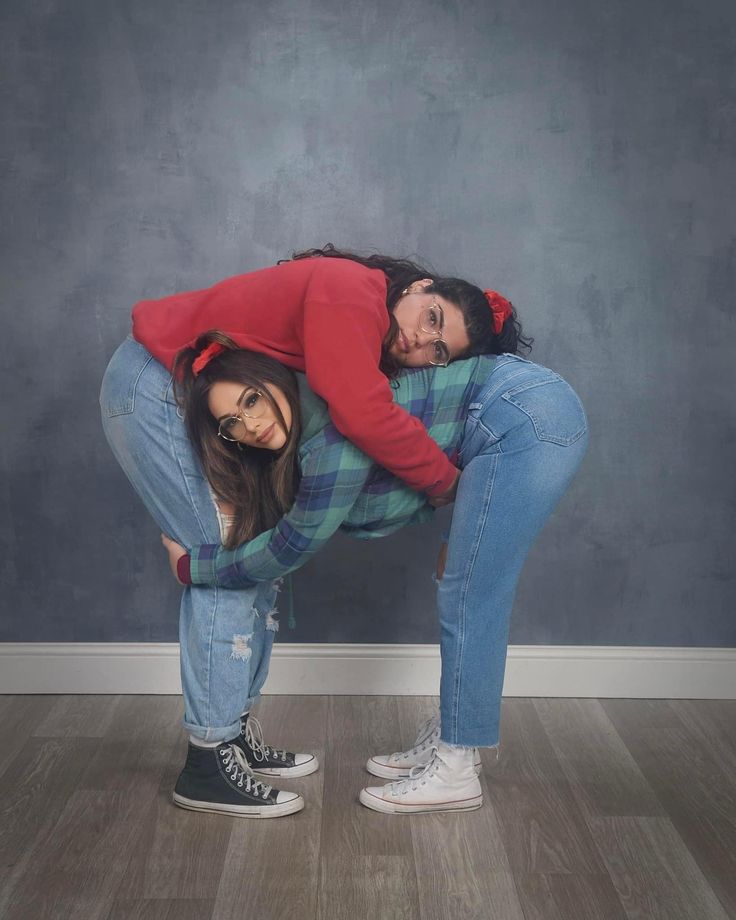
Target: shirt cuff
444	484
202	569
182	569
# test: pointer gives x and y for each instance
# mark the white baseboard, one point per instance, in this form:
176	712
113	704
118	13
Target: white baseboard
406	670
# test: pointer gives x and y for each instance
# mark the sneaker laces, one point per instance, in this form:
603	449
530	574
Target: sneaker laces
418	774
254	738
426	731
239	771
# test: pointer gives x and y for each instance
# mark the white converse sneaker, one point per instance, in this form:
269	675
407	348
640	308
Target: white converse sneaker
447	782
400	764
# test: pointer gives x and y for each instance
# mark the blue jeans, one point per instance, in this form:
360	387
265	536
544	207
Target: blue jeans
523	441
225	636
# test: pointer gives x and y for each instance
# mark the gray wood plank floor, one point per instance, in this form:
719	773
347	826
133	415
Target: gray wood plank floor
599	810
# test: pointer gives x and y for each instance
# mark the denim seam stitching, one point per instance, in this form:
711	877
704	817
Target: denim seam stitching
485	396
538	428
492	436
523	387
113	411
215	588
464	595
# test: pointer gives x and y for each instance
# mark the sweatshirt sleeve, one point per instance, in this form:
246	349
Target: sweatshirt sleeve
342	349
333	474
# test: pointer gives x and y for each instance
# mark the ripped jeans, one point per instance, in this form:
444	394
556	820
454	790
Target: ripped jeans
225	636
523	441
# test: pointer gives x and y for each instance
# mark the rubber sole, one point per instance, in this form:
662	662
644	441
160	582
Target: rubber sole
378	769
311	766
241	811
394	808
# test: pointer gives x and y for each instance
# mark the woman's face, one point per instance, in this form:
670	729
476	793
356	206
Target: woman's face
259	425
423	320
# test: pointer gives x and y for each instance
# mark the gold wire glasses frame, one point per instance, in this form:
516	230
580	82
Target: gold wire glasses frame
432	320
252	405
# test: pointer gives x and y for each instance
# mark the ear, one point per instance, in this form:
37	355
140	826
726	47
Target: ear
416	286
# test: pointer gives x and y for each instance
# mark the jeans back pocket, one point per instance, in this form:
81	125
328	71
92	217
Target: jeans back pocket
553	407
119	383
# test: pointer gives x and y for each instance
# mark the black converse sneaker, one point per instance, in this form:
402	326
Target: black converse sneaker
266	760
219	779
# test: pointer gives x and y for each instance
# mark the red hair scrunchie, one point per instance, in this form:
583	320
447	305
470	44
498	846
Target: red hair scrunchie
205	356
500	308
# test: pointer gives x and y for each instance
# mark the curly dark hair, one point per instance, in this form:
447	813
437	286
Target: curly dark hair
469	298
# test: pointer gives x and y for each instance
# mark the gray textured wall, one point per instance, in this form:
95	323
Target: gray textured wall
577	155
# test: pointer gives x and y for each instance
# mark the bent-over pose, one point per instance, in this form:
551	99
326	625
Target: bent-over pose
348	322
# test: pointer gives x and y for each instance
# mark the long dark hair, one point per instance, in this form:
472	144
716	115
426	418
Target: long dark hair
259	483
469	298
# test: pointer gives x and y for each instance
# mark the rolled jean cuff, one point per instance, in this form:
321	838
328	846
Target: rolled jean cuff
213	735
250	703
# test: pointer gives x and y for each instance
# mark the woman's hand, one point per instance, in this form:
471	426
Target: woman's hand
175	553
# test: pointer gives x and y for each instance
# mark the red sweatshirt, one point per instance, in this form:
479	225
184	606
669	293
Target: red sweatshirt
326	317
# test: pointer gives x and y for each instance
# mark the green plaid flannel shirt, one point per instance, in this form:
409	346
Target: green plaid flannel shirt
341	487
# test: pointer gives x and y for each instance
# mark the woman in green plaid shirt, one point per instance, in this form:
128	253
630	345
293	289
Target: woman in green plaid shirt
517	430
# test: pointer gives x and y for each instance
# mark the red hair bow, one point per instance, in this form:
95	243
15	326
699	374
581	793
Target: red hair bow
205	356
500	308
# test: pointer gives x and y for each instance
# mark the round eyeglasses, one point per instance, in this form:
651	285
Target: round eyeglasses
438	354
251	405
432	321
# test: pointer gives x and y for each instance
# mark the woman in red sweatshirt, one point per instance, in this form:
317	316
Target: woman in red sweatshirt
348	322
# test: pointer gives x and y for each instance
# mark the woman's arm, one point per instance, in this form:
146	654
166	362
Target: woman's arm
376	504
177	553
342	348
333	474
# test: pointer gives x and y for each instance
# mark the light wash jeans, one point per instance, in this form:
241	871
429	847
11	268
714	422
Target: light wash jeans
225	636
523	441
